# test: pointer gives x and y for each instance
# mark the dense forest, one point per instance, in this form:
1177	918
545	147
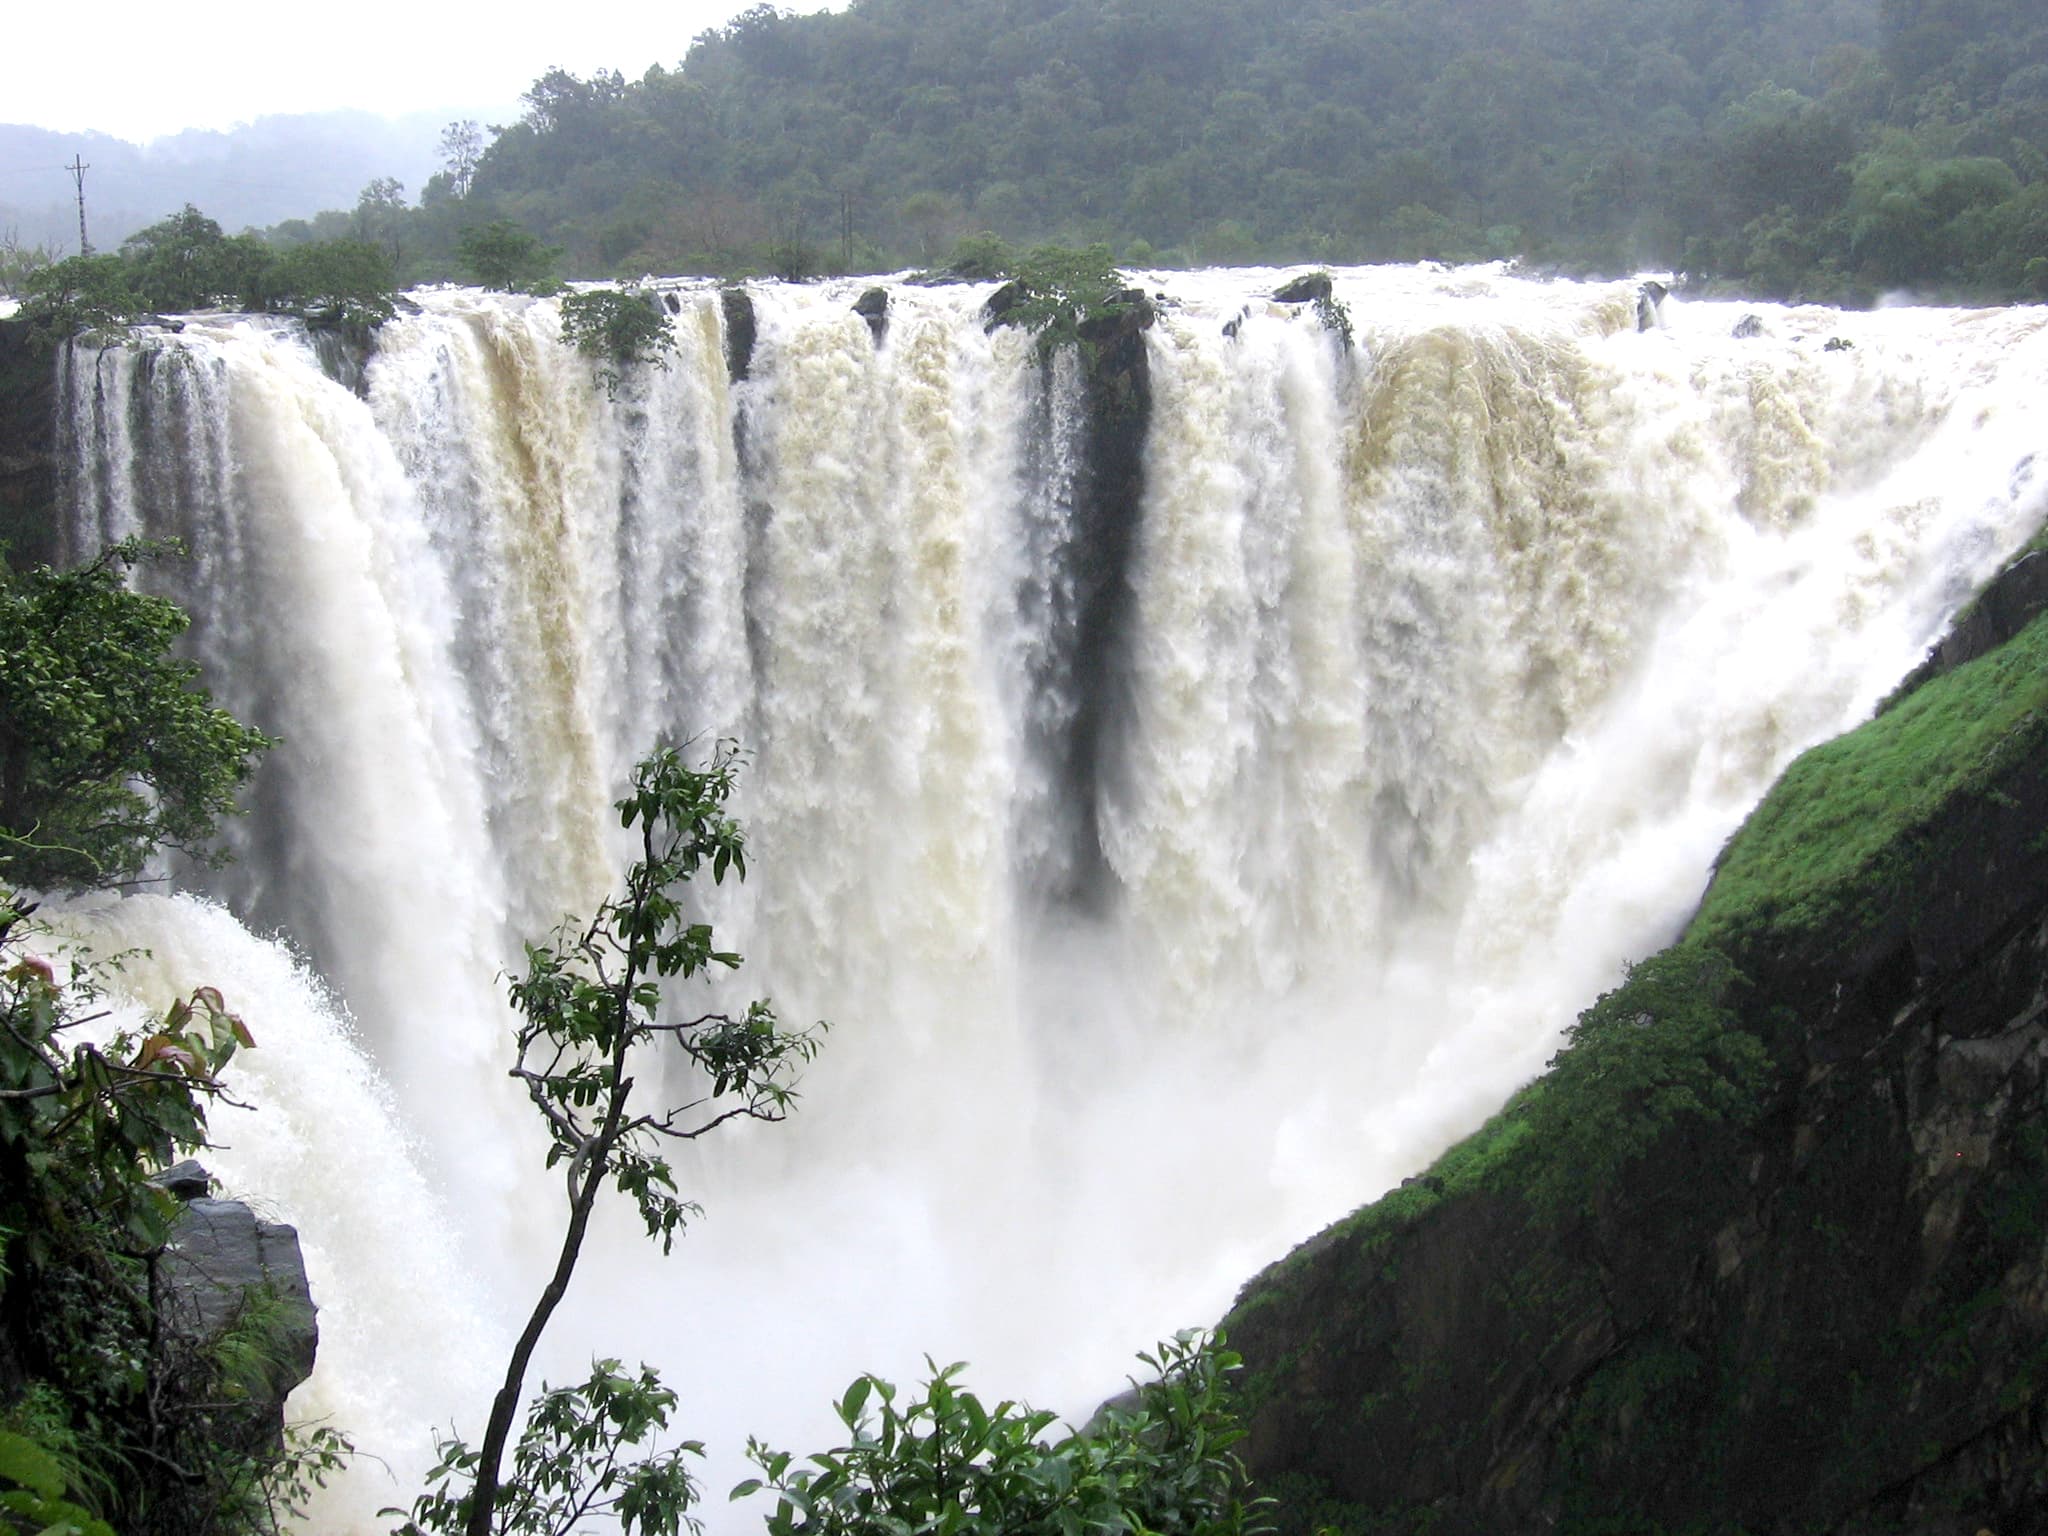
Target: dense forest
1832	150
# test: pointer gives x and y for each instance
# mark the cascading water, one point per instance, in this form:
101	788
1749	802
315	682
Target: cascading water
1441	669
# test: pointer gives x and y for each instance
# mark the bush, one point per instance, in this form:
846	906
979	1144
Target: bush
617	329
945	1461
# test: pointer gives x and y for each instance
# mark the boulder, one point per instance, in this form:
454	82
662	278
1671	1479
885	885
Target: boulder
873	307
1306	289
1747	327
225	1268
997	307
187	1180
1650	305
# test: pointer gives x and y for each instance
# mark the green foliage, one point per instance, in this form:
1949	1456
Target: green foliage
567	1465
591	1005
107	750
1336	319
333	282
185	263
1319	131
126	1423
1062	288
980	258
587	1001
1827	851
32	1488
112	1419
946	1462
80	295
1660	1053
617	328
502	255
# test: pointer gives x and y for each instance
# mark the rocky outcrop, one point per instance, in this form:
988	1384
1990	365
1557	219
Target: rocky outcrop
226	1273
1817	1306
738	305
2005	607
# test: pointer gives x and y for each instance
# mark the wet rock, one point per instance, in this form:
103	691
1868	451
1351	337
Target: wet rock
1000	304
1128	312
738	305
873	307
1650	305
226	1270
1306	289
187	1180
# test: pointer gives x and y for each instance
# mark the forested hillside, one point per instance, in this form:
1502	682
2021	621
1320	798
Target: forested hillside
1827	148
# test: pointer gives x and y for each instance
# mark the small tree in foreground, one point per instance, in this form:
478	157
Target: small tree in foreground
589	1004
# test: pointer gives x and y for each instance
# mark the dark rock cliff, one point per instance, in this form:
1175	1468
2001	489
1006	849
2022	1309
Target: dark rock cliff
1812	1296
28	457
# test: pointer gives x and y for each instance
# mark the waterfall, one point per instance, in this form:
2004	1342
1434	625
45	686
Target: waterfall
1443	665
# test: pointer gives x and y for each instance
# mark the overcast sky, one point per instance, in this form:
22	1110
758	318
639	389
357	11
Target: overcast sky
139	69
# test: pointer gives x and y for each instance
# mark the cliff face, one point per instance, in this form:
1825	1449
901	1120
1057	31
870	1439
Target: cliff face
28	460
1768	1250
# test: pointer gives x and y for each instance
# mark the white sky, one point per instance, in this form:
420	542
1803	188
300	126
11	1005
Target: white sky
139	69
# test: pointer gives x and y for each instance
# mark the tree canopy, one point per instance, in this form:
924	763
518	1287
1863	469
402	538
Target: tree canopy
1780	145
107	749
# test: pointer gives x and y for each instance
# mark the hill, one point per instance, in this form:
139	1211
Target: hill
257	174
1831	149
1765	1250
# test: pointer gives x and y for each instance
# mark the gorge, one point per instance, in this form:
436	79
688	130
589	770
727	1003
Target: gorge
1184	846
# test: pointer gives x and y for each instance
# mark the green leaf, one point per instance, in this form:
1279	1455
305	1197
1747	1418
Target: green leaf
24	1462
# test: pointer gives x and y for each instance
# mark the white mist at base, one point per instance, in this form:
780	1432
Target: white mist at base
1444	666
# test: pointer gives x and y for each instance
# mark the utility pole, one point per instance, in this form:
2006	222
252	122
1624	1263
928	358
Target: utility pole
78	168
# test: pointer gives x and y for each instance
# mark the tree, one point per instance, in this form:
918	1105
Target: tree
184	262
335	282
19	260
502	255
107	750
380	215
590	1006
79	294
617	328
462	146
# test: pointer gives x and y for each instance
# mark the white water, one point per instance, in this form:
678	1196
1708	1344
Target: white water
1450	665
